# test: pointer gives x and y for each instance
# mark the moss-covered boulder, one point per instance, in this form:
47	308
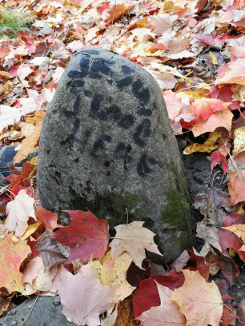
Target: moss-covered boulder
106	146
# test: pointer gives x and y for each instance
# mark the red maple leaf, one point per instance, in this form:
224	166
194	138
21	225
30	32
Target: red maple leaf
146	296
218	157
227	239
86	236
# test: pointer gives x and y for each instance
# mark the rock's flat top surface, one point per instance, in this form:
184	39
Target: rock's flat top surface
106	145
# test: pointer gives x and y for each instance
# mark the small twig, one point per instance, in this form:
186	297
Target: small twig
240	240
229	154
30	311
214	177
121	238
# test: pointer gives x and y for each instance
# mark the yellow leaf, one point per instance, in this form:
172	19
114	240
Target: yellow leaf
114	272
28	144
217	119
193	95
213	58
232	252
199	148
31	229
34	161
199	301
208	146
239	140
38	117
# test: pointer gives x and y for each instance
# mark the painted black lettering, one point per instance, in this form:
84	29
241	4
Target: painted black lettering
143	168
141	92
100	144
124	82
127	71
142	132
127	121
144	112
84	66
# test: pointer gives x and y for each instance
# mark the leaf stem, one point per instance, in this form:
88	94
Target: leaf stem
122	238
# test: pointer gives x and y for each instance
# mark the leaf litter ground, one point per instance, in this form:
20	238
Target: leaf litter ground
195	50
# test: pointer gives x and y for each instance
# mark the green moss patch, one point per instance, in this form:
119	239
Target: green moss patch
12	21
177	209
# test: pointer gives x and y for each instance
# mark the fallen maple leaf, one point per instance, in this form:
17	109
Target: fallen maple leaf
13	253
232	73
239	230
134	239
125	315
9	116
146	296
19	210
82	295
28	144
211	206
48	219
32	269
236	186
52	251
114	272
208	146
164	315
218	157
207	106
21	179
86	236
119	10
173	104
199	301
225	94
239	144
227	238
217	119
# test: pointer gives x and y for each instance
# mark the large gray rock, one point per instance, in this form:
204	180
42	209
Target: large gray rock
46	311
106	146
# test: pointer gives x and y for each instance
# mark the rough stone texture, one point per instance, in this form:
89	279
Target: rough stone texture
47	311
106	146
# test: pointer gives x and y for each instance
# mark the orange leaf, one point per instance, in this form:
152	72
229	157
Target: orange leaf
12	255
199	301
48	219
28	144
233	73
22	179
119	11
143	22
236	186
206	107
217	119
